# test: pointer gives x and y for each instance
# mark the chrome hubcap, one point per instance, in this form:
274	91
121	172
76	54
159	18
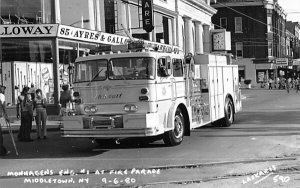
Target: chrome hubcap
178	129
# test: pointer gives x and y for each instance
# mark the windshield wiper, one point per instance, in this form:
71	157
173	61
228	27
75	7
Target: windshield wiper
96	75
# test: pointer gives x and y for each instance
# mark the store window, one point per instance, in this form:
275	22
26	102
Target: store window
79	13
26	11
31	63
68	52
238	24
27	50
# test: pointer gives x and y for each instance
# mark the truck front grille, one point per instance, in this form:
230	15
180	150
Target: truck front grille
103	122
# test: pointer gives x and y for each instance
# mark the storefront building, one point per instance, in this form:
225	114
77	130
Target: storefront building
40	39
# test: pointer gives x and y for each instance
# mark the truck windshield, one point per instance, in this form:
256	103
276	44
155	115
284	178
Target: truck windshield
92	70
132	68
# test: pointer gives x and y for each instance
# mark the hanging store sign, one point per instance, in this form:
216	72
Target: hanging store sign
86	35
282	62
28	30
147	15
296	61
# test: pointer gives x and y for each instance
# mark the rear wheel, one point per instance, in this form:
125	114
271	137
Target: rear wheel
175	136
229	113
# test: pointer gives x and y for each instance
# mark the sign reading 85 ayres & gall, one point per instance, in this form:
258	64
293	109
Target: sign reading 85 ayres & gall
147	15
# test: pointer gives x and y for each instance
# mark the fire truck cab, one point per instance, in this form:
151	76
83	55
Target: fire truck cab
151	94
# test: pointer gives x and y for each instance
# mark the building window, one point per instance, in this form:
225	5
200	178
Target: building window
238	24
137	23
163	28
223	23
109	9
78	13
239	49
269	23
26	12
270	49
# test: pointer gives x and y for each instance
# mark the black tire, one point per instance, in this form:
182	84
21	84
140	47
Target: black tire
217	123
229	113
175	136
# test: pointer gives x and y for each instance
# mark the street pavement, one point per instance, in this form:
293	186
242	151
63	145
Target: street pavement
264	142
52	125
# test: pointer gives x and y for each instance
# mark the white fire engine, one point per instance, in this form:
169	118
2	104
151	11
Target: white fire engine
151	94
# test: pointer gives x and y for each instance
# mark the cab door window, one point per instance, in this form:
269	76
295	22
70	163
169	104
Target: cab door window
177	68
164	67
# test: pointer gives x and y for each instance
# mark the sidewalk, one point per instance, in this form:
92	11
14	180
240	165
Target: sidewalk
53	124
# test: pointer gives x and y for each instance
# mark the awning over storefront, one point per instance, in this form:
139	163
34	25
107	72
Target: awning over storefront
264	66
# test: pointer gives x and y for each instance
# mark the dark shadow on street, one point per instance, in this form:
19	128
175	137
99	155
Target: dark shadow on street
57	147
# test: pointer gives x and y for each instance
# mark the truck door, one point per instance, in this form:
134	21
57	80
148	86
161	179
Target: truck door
165	86
178	81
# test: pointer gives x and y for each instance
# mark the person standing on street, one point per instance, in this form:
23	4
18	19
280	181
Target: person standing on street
3	119
25	108
287	85
297	82
65	98
41	114
270	83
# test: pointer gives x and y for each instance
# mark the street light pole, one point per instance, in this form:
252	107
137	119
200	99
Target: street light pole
1	49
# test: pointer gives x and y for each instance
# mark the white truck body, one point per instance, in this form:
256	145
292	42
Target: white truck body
189	96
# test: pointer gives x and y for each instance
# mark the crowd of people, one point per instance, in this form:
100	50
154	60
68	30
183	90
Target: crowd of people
31	105
284	83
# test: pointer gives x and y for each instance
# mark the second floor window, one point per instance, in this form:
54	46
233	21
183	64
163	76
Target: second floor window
238	24
239	49
223	23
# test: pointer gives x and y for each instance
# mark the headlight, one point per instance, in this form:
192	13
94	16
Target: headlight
144	91
93	109
87	109
130	108
90	109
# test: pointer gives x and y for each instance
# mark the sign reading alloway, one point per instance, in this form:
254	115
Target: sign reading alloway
28	30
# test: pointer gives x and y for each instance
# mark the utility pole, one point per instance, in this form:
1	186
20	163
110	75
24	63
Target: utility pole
1	66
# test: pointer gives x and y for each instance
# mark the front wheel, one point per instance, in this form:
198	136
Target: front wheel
175	136
229	113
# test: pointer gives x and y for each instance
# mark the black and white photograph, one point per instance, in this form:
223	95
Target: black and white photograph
149	93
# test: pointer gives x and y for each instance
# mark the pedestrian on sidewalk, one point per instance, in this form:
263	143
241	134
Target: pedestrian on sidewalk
297	82
65	99
25	108
39	104
270	83
287	85
3	119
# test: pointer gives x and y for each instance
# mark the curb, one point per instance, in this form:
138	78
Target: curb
15	128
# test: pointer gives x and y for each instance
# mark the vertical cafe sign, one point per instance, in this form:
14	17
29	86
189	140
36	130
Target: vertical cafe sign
147	15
